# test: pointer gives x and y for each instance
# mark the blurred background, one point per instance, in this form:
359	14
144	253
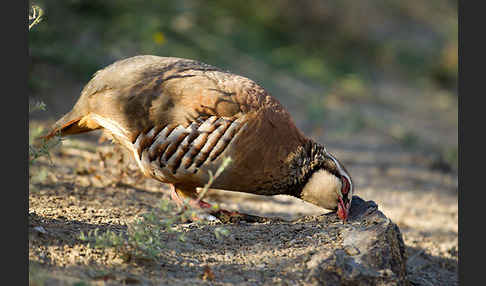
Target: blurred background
374	77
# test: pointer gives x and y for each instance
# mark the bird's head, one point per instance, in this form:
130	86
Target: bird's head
330	187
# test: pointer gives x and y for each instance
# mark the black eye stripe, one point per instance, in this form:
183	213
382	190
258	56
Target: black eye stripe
346	185
345	189
334	167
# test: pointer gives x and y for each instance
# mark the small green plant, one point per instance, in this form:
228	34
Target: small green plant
212	177
35	15
35	152
34	106
145	238
41	149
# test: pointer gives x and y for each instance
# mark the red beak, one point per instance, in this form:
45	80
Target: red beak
342	210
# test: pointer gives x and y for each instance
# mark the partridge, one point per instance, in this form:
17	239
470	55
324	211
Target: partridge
180	118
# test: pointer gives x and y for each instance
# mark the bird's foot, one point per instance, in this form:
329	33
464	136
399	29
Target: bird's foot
226	216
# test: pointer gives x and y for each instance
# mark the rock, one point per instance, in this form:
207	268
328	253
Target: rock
370	251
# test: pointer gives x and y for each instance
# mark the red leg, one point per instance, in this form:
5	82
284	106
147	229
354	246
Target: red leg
179	196
174	196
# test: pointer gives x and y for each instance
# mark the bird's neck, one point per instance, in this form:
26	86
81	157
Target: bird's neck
306	159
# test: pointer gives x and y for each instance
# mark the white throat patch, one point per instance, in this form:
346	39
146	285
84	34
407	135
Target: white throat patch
322	189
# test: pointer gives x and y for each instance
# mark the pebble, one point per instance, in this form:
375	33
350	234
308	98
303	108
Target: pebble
351	250
40	229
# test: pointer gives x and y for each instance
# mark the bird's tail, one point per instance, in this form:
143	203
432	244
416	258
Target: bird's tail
71	123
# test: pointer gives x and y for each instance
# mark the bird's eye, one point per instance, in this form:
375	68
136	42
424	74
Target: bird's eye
346	185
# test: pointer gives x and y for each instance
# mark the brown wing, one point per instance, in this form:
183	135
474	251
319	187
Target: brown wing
144	91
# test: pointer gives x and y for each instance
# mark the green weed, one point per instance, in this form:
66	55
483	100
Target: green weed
40	148
35	15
